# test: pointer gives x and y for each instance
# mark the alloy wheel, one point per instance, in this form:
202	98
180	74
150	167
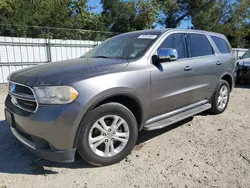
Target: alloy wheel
108	136
222	98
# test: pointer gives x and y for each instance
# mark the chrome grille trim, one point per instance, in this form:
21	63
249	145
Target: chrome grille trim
24	97
25	109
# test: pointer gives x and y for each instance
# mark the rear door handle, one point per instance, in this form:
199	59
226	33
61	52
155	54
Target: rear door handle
188	68
218	63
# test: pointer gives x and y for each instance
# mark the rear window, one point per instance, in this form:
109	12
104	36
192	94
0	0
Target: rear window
199	45
221	45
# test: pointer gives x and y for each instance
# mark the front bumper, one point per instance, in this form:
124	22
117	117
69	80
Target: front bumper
243	72
63	156
50	131
243	67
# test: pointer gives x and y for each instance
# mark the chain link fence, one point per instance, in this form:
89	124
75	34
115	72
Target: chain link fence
24	46
53	33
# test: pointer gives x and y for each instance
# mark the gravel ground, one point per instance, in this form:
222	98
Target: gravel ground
203	151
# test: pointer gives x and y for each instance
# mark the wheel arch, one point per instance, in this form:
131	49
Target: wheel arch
228	77
124	98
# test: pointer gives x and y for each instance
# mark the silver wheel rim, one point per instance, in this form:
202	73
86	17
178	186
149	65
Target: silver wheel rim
223	98
108	136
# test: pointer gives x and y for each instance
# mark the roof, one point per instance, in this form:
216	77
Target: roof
149	31
165	30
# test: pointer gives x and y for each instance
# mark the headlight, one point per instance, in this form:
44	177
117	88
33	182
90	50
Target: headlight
55	94
241	62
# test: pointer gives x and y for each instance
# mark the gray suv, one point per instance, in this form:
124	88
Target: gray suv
97	104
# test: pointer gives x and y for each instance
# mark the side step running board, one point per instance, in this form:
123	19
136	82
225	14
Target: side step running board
175	118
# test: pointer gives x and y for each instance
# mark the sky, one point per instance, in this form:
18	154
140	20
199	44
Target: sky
97	4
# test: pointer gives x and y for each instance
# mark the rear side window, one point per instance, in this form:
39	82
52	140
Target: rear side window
199	45
221	45
176	41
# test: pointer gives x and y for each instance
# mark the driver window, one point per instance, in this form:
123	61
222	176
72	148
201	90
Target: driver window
176	41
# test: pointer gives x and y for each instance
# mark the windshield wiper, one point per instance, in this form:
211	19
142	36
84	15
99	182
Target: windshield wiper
101	56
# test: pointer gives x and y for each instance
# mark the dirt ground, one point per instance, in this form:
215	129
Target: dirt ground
203	151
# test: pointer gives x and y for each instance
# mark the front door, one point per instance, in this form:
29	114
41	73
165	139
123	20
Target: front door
172	82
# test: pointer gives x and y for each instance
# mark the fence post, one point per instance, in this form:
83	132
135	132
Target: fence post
48	50
238	49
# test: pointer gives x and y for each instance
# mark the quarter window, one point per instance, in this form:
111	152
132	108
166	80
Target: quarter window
221	45
199	45
176	41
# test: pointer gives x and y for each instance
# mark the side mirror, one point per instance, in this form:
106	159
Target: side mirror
167	54
240	57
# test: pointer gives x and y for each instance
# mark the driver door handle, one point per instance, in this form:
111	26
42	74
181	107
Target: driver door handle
218	63
188	68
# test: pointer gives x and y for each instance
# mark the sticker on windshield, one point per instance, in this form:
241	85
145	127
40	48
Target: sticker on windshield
147	36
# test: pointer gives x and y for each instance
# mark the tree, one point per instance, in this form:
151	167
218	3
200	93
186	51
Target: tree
24	13
84	17
131	15
172	12
225	16
16	17
175	11
21	17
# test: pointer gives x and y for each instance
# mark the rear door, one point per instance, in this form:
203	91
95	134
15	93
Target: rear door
225	56
204	65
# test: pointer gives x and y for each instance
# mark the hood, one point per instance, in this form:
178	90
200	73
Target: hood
63	72
245	62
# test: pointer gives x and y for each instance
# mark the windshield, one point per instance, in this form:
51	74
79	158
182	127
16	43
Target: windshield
126	46
246	55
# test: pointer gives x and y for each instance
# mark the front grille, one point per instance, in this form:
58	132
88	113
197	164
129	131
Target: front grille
27	104
23	97
23	90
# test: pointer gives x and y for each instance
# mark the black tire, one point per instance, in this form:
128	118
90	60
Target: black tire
215	106
91	117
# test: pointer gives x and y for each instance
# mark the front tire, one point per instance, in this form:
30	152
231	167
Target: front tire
107	134
221	98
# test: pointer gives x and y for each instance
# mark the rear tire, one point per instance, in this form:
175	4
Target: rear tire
221	98
102	141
